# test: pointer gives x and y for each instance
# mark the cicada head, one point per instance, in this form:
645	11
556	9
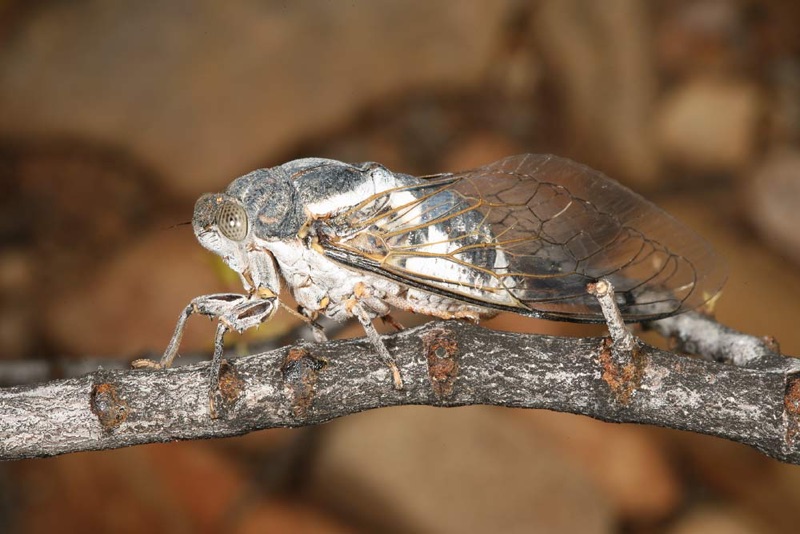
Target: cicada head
261	205
222	225
257	207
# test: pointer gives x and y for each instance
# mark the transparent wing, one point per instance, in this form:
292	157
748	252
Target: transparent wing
527	234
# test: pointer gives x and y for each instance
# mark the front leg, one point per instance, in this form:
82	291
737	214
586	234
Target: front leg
213	306
233	312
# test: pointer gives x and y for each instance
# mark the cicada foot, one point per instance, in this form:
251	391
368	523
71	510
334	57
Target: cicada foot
397	378
145	363
394	323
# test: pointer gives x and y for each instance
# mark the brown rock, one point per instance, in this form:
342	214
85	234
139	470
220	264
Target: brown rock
599	54
766	489
619	459
132	303
479	149
18	320
177	487
709	125
772	201
417	469
197	483
121	491
281	516
79	492
207	94
16	272
701	36
717	520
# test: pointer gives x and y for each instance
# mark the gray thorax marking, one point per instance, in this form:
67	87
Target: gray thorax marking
321	286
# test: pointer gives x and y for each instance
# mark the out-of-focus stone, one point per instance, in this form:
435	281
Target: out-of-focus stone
17	327
784	103
132	303
199	484
709	125
772	201
744	477
205	91
94	492
176	487
479	149
619	459
463	470
211	493
701	36
155	488
18	321
261	441
512	322
70	205
717	520
599	54
281	516
16	272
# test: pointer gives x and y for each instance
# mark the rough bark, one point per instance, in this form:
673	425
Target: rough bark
443	363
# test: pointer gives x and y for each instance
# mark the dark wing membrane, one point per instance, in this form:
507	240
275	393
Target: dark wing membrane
527	234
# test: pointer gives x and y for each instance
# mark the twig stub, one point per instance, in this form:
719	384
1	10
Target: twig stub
106	404
441	352
300	371
624	341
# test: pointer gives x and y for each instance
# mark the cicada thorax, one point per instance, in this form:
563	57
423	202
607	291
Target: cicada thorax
441	238
322	283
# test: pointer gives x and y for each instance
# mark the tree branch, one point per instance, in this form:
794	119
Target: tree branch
443	364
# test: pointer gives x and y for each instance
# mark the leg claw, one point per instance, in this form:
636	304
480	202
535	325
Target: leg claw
146	364
397	377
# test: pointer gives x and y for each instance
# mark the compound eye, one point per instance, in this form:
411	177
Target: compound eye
232	221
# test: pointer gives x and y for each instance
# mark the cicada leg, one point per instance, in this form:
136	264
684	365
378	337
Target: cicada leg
233	312
388	319
309	318
318	333
376	341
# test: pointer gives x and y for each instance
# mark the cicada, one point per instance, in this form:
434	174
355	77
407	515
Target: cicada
525	234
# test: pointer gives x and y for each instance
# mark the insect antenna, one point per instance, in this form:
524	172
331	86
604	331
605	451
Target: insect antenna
170	227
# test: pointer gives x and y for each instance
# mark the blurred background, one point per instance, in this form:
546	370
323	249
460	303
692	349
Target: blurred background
115	117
